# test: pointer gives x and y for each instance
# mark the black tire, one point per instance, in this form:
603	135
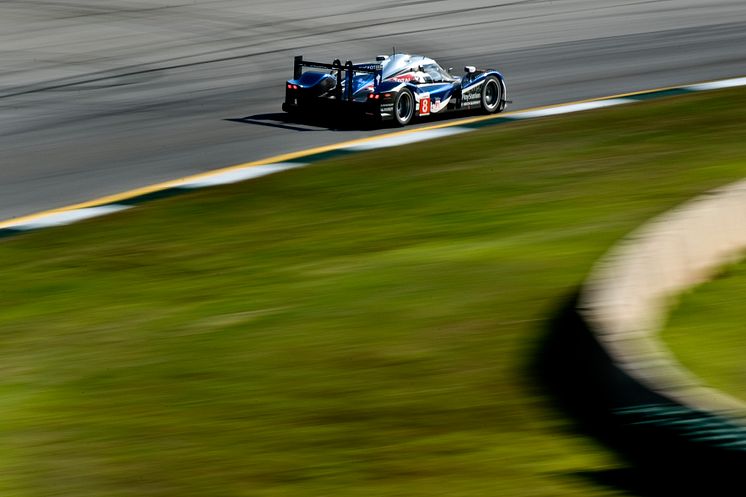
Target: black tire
293	110
403	107
493	95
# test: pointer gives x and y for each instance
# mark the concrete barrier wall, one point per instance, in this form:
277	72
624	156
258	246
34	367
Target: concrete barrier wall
627	296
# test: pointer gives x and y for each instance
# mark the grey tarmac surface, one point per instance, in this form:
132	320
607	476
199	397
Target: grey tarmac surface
101	97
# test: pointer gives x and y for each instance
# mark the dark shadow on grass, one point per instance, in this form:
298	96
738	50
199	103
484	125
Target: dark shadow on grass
671	449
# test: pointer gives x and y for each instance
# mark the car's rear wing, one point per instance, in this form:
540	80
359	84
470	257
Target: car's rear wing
344	72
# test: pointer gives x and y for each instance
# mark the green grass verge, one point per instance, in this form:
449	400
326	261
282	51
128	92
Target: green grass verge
706	331
363	327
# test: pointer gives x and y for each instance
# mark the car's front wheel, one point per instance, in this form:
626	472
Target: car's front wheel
492	95
403	107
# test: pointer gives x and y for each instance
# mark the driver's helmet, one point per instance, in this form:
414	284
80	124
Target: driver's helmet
422	76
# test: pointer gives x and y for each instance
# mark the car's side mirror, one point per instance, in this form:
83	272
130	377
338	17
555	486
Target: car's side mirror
470	69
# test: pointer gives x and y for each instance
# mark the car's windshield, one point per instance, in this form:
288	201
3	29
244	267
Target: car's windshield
415	68
436	73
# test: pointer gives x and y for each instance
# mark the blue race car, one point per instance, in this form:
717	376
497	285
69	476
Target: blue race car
395	87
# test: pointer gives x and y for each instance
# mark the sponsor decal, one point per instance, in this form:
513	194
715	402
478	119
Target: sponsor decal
369	67
471	97
403	78
387	108
439	104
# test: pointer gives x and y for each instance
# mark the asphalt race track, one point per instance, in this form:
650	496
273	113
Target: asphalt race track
101	97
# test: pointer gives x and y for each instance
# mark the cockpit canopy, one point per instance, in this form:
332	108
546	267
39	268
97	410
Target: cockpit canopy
399	64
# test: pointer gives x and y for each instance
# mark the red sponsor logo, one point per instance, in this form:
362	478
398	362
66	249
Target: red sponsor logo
404	78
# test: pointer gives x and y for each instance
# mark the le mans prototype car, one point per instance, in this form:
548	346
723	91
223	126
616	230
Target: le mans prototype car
395	87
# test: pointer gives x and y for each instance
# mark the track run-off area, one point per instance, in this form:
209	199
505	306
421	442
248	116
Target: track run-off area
359	327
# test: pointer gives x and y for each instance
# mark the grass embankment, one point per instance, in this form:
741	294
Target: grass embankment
363	327
706	331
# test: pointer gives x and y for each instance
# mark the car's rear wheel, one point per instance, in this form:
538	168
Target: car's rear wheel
403	107
492	95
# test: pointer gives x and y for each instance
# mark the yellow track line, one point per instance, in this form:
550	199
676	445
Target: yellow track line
136	192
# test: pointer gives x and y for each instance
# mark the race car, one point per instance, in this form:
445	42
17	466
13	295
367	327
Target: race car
397	87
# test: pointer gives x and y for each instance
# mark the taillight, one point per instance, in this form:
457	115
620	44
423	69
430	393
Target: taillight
374	96
292	87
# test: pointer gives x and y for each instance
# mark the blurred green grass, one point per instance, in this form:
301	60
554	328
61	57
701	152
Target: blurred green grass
363	327
706	331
